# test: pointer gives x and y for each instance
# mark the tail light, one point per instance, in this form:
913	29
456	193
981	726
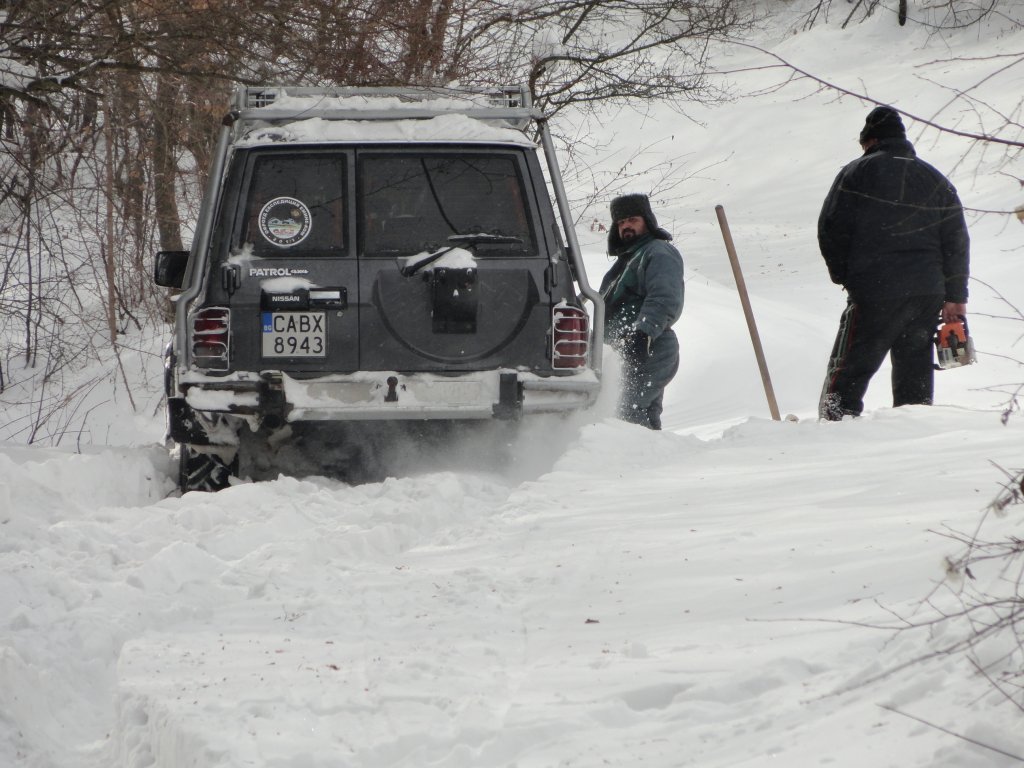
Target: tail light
570	337
210	338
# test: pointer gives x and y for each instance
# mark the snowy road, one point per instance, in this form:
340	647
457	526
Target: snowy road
654	598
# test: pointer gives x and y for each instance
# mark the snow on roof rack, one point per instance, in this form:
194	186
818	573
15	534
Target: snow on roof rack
281	103
501	96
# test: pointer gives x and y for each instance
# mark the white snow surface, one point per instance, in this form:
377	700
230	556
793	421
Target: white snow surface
732	591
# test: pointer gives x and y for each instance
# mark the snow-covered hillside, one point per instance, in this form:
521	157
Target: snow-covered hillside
733	591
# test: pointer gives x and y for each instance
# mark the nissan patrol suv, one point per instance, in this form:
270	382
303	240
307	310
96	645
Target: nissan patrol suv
373	255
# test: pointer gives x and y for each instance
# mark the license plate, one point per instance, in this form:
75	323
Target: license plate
294	334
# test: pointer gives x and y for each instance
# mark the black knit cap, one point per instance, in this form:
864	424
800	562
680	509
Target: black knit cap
883	123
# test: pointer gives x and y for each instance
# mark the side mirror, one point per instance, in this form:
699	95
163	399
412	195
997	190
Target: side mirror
169	268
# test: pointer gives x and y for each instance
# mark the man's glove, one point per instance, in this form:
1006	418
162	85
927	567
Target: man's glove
636	348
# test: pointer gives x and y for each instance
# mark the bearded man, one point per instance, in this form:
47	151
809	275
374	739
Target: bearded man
643	297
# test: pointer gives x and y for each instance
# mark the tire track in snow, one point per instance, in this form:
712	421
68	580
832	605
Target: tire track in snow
110	560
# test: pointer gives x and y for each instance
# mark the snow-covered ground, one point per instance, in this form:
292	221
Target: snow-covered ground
733	591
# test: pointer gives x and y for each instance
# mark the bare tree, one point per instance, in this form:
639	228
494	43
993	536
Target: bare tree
579	52
948	14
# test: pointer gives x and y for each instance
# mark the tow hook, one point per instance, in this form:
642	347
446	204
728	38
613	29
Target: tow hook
272	400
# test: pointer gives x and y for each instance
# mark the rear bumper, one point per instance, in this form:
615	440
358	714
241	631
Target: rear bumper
384	395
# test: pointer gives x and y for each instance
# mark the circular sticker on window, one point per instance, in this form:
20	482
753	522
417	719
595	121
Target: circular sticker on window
285	221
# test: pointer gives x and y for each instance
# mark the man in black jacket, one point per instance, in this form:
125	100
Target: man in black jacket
893	234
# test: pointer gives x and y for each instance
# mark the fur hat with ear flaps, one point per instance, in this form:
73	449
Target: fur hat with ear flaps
632	205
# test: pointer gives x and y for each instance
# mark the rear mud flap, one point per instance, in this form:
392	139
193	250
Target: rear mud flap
184	425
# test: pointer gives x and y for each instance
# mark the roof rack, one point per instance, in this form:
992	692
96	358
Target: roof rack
512	105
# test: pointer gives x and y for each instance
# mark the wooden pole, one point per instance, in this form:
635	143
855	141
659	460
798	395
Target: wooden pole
741	286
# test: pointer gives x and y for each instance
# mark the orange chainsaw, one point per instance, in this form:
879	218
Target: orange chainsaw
954	345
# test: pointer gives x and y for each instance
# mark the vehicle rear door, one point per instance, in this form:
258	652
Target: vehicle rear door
291	274
451	274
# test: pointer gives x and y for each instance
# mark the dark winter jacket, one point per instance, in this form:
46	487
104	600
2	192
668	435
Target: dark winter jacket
643	289
893	226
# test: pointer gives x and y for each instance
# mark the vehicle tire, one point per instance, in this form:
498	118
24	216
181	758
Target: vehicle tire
204	470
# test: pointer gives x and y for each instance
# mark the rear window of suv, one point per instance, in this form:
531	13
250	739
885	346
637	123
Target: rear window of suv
296	204
419	202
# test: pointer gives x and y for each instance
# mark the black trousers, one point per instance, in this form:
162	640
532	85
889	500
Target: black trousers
902	328
643	389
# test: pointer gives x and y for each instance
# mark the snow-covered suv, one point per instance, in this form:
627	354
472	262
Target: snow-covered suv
373	255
